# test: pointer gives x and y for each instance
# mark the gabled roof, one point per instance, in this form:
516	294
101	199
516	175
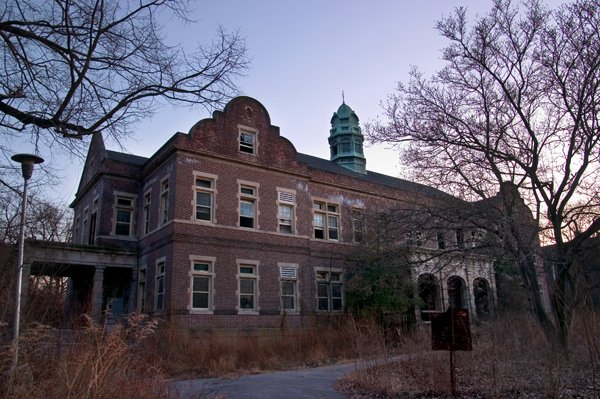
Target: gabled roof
127	158
377	178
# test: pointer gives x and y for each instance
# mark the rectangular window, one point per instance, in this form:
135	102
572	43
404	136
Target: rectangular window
357	225
91	239
477	236
441	241
247	142
288	274
124	216
329	291
204	199
164	202
285	214
76	231
142	290
460	239
414	237
146	213
247	284
202	283
160	286
248	206
85	226
326	220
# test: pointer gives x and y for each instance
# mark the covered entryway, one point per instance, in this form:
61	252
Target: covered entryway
457	293
99	278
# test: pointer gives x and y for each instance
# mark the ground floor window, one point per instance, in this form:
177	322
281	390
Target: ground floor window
160	286
202	276
248	278
329	291
288	273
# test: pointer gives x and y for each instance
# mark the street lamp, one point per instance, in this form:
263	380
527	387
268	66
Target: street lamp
27	161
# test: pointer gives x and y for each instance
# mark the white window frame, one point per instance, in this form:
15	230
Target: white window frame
141	292
160	274
164	202
210	191
241	276
93	224
248	198
245	147
147	211
358	225
121	207
330	278
76	230
286	198
288	273
85	224
328	211
209	274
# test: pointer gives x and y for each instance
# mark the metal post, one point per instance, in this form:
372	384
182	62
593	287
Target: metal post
27	161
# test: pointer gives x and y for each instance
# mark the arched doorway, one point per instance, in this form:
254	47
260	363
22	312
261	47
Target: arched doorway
456	293
429	292
481	293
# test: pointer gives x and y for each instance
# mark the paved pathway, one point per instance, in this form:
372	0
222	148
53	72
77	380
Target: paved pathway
306	383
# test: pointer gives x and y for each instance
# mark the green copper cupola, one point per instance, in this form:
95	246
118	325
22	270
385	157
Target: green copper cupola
346	140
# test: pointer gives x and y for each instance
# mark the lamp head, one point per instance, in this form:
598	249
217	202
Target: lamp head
27	161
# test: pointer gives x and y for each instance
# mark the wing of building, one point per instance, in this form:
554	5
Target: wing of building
228	226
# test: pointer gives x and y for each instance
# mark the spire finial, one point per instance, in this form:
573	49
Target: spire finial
343	99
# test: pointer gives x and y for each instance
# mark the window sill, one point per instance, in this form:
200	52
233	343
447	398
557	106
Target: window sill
201	311
248	312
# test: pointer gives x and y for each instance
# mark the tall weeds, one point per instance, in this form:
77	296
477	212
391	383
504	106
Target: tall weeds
93	364
510	358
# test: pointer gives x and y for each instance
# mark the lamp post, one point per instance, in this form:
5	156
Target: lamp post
27	162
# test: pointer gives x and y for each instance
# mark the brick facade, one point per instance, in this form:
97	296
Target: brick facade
209	175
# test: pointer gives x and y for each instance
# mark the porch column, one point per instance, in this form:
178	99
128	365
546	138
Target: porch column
471	297
97	291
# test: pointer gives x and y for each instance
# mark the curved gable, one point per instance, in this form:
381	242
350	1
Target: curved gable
243	131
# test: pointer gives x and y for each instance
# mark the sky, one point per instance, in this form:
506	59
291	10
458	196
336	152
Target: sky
304	54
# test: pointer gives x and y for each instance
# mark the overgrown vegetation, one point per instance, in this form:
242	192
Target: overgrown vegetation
510	359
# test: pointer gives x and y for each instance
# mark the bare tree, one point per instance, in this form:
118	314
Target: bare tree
516	102
72	68
46	220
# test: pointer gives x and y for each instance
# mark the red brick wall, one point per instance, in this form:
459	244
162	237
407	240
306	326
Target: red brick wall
212	147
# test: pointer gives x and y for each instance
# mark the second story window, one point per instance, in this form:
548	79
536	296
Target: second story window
146	213
326	220
204	198
441	240
460	239
286	203
248	206
357	225
164	202
123	216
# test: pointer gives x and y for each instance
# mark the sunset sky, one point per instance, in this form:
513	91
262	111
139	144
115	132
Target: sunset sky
304	54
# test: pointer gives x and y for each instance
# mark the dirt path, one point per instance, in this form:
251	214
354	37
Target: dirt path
307	383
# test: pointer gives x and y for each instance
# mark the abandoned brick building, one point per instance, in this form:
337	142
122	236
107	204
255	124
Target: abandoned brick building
228	226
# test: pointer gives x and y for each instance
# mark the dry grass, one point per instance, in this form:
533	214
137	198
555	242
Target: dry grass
186	354
510	359
138	361
95	364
